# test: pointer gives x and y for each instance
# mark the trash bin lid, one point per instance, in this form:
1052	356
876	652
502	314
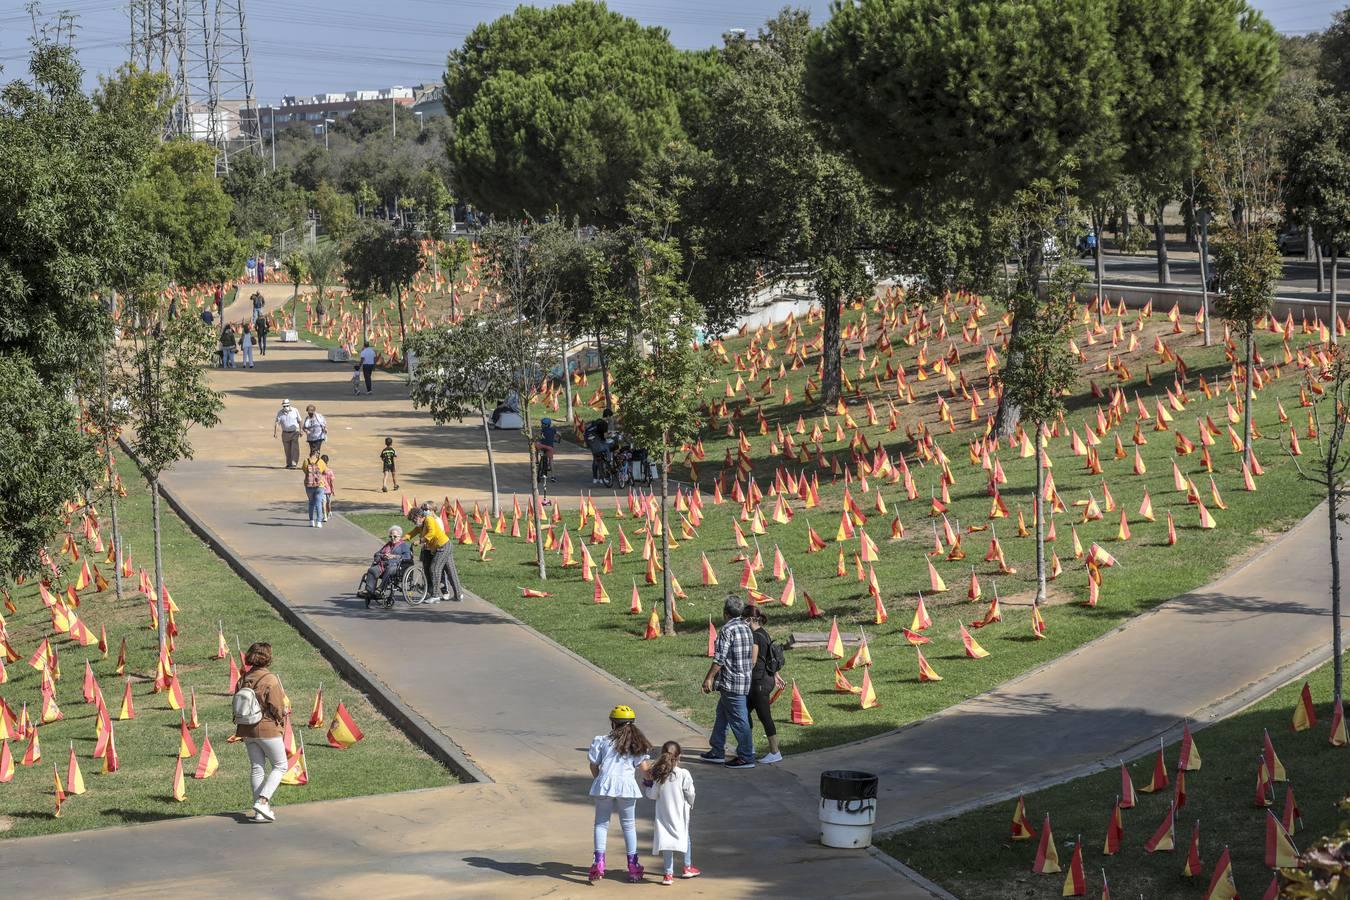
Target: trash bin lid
847	784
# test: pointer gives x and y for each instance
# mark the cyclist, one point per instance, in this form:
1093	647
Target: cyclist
389	560
548	439
597	434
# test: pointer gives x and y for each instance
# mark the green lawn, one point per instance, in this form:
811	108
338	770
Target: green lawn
972	856
1150	571
206	591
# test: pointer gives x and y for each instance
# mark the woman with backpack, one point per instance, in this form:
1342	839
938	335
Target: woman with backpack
260	716
764	680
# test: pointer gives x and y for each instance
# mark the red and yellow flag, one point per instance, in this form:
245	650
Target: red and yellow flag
343	731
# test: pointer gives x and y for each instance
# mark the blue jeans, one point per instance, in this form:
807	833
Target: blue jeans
627	809
315	495
669	857
227	357
731	710
248	355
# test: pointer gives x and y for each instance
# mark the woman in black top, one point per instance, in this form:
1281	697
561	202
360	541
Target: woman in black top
762	684
264	327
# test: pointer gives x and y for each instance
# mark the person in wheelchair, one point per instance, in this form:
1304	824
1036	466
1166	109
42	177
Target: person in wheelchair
387	564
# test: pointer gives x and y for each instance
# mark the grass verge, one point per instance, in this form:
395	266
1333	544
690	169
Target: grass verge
207	592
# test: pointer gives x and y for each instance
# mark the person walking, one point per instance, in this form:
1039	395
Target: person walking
258	304
616	759
764	680
261	731
729	675
313	470
227	346
388	456
246	344
672	787
288	423
316	428
367	363
264	327
437	556
329	486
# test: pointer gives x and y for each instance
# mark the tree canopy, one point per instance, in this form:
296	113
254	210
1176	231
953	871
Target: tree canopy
561	107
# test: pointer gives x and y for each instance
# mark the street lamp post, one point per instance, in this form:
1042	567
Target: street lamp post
326	123
272	117
1203	216
392	117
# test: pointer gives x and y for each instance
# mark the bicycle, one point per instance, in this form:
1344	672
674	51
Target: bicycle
410	584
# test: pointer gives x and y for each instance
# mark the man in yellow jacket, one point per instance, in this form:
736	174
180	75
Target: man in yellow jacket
437	556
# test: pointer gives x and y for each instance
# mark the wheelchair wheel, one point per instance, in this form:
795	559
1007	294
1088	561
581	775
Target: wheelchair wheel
413	584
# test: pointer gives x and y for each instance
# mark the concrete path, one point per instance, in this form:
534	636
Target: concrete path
520	707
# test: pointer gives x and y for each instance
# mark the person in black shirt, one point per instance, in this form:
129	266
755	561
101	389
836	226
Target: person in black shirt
597	434
762	683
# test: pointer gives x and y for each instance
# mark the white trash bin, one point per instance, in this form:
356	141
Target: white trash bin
848	808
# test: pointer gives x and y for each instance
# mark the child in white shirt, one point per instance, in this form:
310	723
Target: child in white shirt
672	787
617	759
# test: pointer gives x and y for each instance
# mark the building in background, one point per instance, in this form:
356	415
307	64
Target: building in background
311	111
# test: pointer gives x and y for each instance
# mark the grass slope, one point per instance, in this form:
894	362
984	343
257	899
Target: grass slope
206	591
1150	570
972	856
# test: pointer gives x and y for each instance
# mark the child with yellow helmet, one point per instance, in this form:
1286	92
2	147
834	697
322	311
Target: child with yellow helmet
617	760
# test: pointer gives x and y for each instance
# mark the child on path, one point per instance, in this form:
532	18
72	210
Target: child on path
356	378
328	485
387	473
616	759
672	787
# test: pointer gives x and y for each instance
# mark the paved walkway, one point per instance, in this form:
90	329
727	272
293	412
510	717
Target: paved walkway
518	704
522	709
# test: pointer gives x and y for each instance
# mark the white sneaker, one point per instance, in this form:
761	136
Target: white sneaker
771	758
264	810
433	600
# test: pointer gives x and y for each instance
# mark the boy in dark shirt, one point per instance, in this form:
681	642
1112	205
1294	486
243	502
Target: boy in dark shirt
387	457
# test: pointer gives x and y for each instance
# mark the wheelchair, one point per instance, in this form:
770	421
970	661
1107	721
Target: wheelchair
410	585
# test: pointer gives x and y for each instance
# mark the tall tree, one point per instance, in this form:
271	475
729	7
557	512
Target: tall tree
971	101
772	198
461	372
1334	61
162	376
66	161
1048	367
336	211
522	263
659	374
322	262
1241	167
267	204
382	259
560	107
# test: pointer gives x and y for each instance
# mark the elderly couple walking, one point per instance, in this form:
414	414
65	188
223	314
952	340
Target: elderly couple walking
745	674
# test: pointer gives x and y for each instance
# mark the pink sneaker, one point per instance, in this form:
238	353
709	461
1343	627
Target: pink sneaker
669	878
598	867
691	872
635	870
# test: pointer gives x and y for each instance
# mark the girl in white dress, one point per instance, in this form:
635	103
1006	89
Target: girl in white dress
616	760
672	787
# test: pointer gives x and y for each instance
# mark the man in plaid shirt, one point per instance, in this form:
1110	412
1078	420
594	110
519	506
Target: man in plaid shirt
729	675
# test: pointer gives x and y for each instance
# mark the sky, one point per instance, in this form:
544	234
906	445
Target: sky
302	47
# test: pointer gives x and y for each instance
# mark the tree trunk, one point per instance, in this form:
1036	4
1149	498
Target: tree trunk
1307	243
1160	233
604	369
1204	276
1335	260
1099	262
668	627
1317	261
1039	506
567	381
1334	523
159	568
831	363
492	461
365	321
535	505
1248	395
116	526
402	328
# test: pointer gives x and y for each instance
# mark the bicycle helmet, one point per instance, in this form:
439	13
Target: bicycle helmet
546	421
622	713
